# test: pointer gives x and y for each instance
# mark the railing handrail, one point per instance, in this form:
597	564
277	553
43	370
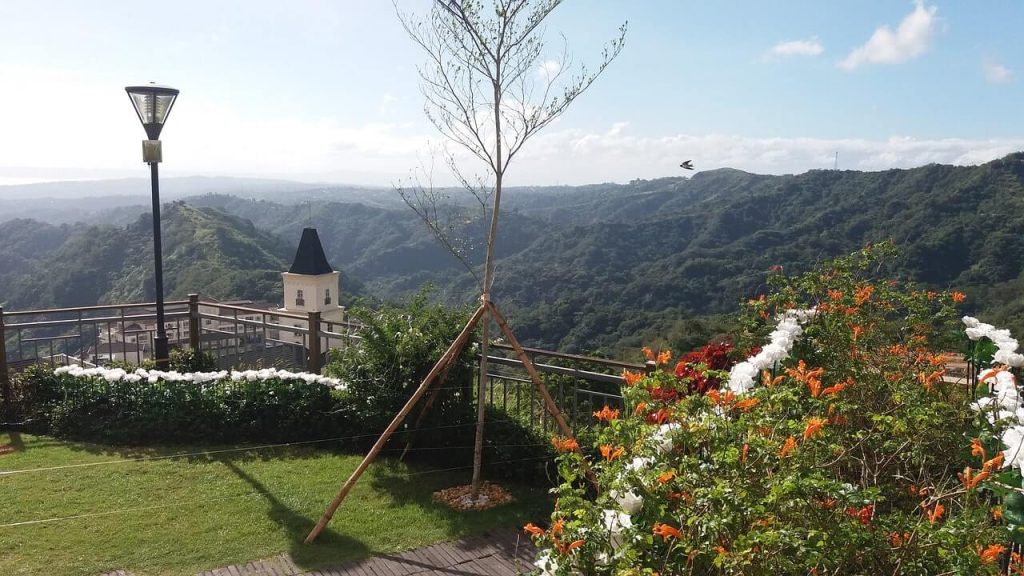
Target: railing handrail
99	319
274	312
576	357
91	308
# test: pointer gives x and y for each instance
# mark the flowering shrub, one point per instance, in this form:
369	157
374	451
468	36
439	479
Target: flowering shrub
837	448
1001	414
112	404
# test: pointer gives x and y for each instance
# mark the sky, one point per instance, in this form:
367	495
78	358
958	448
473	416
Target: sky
328	91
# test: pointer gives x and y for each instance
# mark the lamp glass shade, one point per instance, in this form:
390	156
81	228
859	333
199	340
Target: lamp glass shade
153	104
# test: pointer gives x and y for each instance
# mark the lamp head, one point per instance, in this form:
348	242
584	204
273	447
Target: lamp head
153	104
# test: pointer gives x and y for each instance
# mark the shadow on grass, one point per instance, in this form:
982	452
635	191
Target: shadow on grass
14	443
330	546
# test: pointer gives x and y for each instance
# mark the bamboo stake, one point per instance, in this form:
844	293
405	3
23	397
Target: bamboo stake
549	402
447	358
430	400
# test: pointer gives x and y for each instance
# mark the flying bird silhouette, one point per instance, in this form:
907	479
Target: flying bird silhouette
687	165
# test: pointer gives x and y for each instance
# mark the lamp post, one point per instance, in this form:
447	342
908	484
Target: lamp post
153	104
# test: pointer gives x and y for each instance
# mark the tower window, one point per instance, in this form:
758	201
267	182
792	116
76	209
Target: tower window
327	296
299	299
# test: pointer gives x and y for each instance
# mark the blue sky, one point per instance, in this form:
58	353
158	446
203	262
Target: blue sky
328	91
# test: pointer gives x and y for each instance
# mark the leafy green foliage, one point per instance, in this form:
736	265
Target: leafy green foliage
854	457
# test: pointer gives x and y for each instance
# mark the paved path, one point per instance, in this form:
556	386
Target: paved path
497	553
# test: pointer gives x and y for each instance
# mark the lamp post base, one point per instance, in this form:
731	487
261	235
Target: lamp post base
160	352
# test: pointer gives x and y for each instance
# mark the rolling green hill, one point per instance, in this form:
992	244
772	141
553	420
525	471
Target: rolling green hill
596	268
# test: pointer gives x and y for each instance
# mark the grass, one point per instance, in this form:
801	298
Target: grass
182	515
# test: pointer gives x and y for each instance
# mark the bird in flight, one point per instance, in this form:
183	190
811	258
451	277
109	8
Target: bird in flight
687	165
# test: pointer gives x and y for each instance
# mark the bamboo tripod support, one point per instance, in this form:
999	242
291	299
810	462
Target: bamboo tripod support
442	366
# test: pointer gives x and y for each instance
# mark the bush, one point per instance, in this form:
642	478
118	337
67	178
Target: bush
398	347
850	458
143	411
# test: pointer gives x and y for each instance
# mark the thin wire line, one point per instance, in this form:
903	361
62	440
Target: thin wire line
222	451
237	496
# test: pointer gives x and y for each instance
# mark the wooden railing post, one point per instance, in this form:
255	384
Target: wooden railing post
313	364
5	376
194	322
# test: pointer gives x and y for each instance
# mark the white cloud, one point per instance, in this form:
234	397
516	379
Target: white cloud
910	40
997	73
809	47
549	69
577	157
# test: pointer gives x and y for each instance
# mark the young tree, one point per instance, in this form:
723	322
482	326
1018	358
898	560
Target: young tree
489	89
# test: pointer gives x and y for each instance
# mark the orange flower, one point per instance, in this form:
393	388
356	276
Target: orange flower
664	357
896	539
929	380
835	295
970	480
566	548
747	404
931	294
610	453
991	553
767	380
631	378
835	389
856	330
564	445
721	550
787	447
720	399
665	476
958	297
997	512
863	294
977	449
533	530
743	453
813	428
936	513
648	353
556	528
993	464
640	409
809	377
606	414
666	531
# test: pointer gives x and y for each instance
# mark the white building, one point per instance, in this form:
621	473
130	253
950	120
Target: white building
311	285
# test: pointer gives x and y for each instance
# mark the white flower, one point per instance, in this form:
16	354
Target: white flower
1013	439
630	502
970	321
662	437
616	523
741	377
974	333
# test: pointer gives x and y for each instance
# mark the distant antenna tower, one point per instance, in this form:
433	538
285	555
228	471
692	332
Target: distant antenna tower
835	163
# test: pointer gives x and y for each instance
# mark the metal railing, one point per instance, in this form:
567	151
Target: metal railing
240	336
580	385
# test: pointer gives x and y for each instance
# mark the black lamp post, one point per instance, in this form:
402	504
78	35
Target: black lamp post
153	104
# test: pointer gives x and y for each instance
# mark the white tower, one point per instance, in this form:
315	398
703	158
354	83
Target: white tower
311	285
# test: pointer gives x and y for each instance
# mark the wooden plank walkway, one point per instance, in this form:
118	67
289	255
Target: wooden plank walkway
505	552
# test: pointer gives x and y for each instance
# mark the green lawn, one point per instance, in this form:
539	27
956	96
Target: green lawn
183	515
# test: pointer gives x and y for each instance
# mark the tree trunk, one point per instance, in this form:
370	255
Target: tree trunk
478	445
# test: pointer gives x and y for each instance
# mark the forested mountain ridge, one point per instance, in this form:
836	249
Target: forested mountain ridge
204	250
605	267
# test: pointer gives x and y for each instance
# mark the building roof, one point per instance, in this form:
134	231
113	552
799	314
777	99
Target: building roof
309	258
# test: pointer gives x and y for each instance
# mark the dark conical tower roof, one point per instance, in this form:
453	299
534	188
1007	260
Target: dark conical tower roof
309	258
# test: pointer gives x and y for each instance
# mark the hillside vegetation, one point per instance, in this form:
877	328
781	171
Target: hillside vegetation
597	268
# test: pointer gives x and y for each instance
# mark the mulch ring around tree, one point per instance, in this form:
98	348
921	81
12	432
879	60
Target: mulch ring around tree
461	497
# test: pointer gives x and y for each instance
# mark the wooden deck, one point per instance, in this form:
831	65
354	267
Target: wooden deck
504	552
